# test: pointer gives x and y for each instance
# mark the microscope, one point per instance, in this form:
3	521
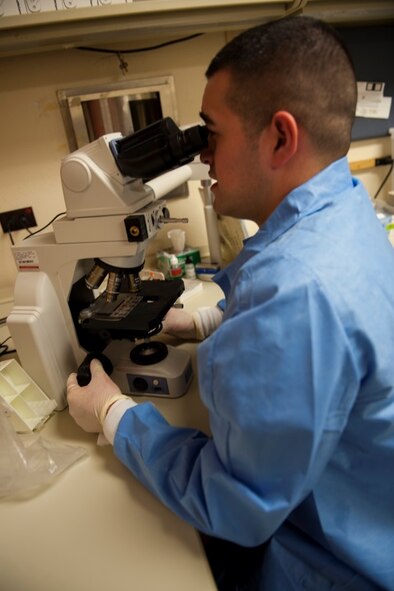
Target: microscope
78	292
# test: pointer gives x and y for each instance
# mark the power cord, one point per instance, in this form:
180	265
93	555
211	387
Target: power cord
123	65
4	350
387	175
46	225
360	165
11	237
140	49
30	233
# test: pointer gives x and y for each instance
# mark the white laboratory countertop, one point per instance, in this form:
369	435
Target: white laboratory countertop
96	528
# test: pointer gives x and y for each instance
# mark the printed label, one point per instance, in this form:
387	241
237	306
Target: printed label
27	260
371	102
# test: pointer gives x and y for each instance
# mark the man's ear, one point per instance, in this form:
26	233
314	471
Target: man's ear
284	134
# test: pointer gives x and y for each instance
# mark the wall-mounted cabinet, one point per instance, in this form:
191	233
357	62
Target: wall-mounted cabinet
72	24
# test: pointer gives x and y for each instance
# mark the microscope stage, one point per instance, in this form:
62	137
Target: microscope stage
132	315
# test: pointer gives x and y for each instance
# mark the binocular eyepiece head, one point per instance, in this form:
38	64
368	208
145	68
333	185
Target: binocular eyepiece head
158	148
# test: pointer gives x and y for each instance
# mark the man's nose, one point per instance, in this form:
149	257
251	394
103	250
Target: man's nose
206	156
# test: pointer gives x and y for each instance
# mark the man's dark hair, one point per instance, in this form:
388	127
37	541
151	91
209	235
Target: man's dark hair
297	64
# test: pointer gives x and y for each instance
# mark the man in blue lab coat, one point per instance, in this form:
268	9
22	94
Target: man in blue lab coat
298	375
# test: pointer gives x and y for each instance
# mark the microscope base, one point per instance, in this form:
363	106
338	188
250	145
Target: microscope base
168	378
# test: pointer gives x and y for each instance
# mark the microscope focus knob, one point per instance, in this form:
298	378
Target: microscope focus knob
84	375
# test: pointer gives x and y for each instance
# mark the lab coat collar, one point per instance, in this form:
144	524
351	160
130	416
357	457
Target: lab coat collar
317	193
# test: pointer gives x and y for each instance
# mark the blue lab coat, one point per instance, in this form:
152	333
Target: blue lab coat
299	384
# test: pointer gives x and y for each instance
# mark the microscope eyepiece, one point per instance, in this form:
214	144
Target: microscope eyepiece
194	139
157	148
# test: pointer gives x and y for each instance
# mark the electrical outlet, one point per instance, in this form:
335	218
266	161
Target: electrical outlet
17	219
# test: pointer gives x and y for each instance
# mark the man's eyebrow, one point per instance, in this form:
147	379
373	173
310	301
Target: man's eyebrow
206	118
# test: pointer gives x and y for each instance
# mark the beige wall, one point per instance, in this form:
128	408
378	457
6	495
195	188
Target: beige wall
33	139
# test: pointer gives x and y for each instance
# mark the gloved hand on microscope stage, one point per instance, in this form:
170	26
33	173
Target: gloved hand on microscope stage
90	404
196	326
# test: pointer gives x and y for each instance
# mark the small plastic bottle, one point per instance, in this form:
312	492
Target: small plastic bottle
190	270
175	268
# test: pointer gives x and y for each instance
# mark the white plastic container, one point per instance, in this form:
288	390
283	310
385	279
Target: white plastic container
29	405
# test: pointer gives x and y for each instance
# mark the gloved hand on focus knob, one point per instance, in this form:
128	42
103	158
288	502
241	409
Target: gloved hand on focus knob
88	405
179	323
198	325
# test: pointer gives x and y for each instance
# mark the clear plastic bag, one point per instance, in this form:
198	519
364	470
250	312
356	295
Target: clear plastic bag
28	462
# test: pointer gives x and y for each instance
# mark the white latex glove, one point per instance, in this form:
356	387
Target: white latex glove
198	325
89	405
179	323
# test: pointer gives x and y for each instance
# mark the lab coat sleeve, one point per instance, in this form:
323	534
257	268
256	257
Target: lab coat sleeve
279	379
